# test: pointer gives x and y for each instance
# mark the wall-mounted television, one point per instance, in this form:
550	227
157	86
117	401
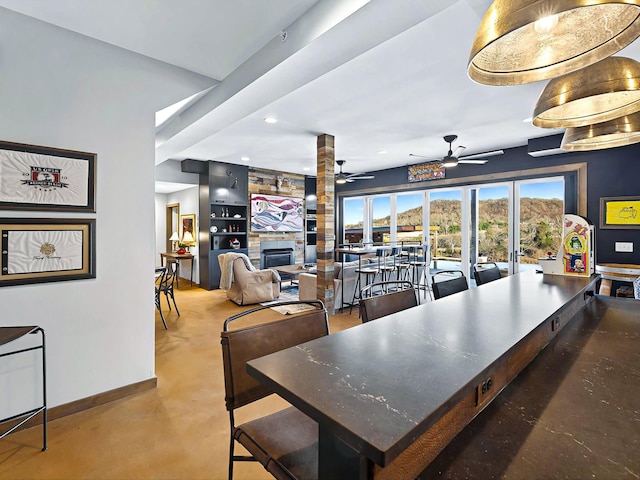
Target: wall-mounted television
272	213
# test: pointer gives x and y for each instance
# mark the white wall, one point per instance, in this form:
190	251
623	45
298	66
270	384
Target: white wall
161	203
60	89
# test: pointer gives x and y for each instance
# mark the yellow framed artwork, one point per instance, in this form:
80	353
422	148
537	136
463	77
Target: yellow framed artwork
620	212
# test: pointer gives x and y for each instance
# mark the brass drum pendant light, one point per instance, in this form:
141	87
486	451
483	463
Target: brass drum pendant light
620	131
524	41
600	92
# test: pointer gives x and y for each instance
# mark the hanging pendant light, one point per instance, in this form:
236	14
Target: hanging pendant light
600	92
618	132
524	41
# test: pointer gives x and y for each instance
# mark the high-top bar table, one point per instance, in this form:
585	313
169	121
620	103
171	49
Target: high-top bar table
389	395
359	252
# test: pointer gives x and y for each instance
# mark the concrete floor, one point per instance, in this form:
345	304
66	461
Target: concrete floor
179	430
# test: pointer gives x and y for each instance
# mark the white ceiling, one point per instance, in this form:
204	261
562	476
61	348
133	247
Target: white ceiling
380	75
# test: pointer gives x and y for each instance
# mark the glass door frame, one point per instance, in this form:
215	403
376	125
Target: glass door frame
469	216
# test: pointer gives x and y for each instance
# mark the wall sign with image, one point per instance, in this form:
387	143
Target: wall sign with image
36	250
426	171
620	212
43	178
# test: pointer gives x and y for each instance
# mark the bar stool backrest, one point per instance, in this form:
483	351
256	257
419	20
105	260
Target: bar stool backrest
240	346
485	272
376	306
448	282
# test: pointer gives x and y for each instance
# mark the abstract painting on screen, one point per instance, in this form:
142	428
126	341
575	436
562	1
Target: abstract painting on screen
272	213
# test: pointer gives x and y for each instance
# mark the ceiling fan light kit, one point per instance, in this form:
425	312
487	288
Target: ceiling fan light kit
524	41
342	178
600	92
450	162
452	158
618	132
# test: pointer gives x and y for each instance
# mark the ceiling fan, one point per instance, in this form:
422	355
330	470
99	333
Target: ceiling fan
343	178
452	158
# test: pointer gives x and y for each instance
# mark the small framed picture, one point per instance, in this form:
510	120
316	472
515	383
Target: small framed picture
47	179
189	234
37	250
620	212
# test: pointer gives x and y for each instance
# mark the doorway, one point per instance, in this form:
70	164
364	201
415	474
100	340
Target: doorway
510	223
515	223
172	224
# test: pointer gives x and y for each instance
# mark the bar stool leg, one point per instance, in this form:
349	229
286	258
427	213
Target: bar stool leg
356	290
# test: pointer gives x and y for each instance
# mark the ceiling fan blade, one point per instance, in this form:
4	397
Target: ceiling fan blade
475	162
459	149
483	155
350	180
435	159
364	176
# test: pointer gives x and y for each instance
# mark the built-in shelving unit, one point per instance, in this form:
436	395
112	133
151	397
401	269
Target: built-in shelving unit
228	227
311	227
311	221
224	200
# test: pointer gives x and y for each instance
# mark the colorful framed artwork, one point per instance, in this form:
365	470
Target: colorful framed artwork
37	250
272	213
426	171
188	234
620	212
48	179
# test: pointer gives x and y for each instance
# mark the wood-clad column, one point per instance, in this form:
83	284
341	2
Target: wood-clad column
326	239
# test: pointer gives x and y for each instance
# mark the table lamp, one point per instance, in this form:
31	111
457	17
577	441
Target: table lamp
174	239
188	240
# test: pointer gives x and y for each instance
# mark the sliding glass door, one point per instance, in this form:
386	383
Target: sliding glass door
510	223
445	218
490	225
540	208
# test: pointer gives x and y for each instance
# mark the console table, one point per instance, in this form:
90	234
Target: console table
389	395
11	334
178	257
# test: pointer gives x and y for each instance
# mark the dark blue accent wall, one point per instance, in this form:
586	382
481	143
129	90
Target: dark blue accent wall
612	172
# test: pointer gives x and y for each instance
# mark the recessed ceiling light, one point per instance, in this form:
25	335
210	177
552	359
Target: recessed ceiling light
382	152
270	120
306	169
245	159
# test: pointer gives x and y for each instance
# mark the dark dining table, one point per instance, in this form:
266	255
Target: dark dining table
390	394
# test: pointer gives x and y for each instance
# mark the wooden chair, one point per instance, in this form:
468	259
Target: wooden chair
165	279
485	272
284	442
448	282
160	271
376	306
